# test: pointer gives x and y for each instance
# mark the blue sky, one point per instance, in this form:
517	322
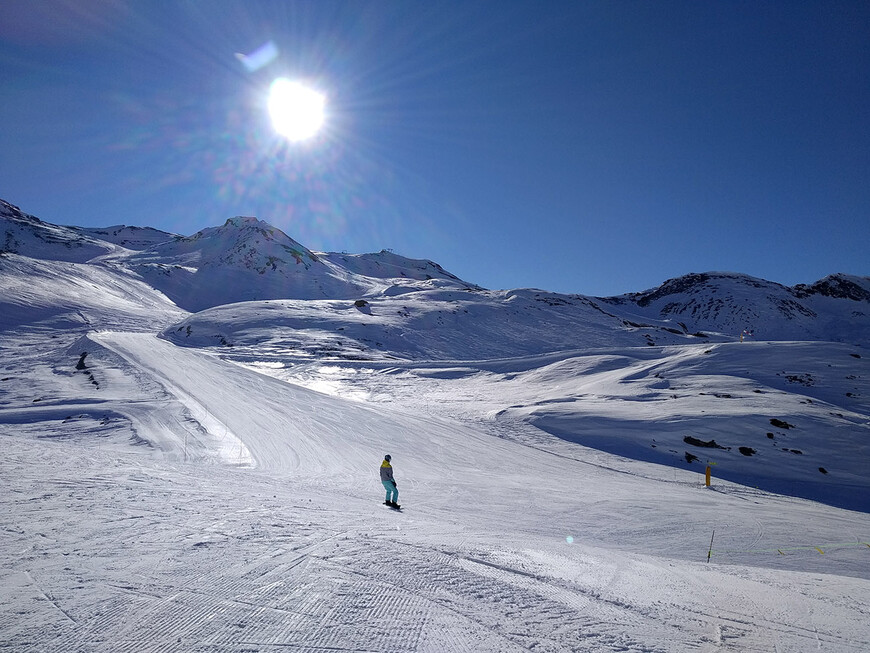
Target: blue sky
589	147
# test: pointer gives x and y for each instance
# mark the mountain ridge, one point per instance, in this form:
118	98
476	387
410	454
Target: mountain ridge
246	259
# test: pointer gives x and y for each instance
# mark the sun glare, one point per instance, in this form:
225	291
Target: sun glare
297	111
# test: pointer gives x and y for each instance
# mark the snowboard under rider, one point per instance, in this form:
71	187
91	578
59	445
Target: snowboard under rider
389	483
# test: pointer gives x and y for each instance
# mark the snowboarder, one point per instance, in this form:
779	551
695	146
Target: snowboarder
389	483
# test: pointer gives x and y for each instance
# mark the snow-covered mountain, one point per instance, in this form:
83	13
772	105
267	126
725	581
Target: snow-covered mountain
62	277
444	318
27	235
192	481
135	238
244	259
422	321
414	302
835	308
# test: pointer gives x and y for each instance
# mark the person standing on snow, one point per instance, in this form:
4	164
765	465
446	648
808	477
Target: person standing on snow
389	483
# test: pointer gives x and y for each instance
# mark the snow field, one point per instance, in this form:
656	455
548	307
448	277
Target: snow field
644	404
109	547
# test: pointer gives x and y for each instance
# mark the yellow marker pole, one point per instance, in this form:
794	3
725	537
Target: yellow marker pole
707	476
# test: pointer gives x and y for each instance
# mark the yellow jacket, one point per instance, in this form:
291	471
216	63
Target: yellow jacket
386	471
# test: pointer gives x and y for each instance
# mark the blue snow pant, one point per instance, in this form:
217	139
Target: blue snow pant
391	490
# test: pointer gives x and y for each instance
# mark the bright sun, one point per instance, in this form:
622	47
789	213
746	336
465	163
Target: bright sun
297	111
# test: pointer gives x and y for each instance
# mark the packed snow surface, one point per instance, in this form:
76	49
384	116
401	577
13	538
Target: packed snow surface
209	481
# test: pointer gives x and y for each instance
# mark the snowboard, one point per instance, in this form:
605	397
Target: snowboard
397	508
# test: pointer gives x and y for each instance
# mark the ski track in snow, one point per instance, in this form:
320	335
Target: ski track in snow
285	546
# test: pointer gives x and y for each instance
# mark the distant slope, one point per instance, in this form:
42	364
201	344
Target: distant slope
836	308
68	295
387	265
436	320
22	233
438	323
136	238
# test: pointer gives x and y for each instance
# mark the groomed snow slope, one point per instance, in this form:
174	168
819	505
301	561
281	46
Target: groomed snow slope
785	417
509	540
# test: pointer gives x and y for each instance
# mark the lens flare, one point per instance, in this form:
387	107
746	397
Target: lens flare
259	58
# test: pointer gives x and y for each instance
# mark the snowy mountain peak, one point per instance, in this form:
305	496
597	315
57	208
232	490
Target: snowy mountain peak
838	286
696	283
247	259
22	233
11	212
731	303
387	265
245	242
241	220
